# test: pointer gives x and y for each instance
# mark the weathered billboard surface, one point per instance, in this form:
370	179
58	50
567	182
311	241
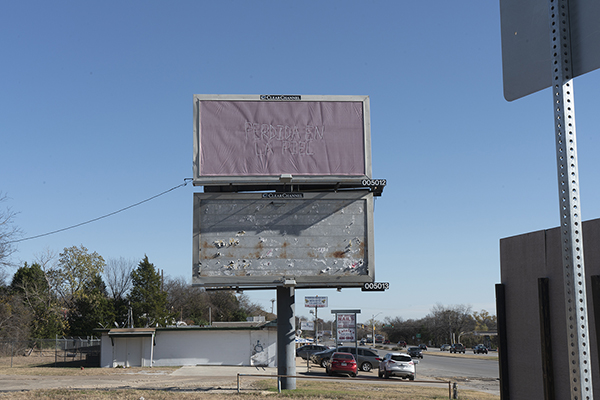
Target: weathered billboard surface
266	239
258	138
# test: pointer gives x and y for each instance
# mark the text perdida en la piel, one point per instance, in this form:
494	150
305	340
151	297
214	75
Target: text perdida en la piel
283	139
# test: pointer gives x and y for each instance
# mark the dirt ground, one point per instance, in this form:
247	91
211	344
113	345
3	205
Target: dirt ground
39	372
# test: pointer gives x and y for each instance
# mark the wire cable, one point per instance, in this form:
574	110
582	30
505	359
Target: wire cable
185	182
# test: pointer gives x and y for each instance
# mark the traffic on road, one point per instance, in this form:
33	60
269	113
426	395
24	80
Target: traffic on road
475	367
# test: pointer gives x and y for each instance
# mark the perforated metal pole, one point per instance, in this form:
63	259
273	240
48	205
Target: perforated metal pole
570	211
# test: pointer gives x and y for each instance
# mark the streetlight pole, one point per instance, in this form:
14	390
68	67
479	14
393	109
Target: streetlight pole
373	327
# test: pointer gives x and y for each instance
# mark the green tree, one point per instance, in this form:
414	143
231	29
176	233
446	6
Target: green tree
77	270
484	321
227	307
192	304
30	278
92	309
148	299
31	286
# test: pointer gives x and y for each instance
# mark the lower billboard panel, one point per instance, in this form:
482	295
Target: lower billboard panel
273	239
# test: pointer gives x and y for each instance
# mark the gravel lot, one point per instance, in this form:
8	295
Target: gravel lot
36	372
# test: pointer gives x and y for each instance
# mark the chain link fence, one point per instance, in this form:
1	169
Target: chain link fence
57	352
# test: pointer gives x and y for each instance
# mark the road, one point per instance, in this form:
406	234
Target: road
440	364
472	371
449	367
478	372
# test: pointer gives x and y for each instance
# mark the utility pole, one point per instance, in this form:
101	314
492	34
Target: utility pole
316	326
373	327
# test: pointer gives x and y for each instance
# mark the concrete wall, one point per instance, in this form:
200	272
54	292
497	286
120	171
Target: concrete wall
125	351
192	347
524	259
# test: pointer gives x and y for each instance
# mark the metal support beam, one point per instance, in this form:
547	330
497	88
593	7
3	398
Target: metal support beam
502	341
570	211
286	335
546	338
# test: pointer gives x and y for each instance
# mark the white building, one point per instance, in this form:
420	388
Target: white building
226	343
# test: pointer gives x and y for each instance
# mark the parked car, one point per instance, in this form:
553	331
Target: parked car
402	343
445	347
457	348
308	349
386	341
423	346
415	352
397	364
480	349
363	341
367	359
321	358
342	363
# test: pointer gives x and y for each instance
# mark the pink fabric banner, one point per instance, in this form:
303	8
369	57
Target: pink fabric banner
270	138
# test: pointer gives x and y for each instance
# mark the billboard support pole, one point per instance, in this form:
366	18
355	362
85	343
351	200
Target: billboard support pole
580	376
286	333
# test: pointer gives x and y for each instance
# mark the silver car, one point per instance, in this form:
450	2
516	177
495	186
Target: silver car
397	364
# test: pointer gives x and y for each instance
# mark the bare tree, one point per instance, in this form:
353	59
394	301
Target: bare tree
451	322
3	278
8	234
190	303
15	319
47	261
117	274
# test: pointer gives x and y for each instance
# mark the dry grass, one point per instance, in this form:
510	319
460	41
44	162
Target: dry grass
252	388
304	391
45	366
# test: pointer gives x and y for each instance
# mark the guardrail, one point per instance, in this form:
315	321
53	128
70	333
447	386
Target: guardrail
338	379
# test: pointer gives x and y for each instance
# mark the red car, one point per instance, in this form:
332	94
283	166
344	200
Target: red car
342	363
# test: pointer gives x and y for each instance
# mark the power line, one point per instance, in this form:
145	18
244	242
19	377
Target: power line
185	182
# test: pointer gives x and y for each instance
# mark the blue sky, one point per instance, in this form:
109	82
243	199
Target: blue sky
96	115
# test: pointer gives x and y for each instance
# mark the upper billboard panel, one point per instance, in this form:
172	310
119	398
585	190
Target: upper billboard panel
268	138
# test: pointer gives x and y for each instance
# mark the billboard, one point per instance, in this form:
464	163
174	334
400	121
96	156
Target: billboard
315	301
258	138
309	239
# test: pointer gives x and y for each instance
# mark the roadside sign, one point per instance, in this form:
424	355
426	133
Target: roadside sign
526	48
346	327
315	301
307	325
